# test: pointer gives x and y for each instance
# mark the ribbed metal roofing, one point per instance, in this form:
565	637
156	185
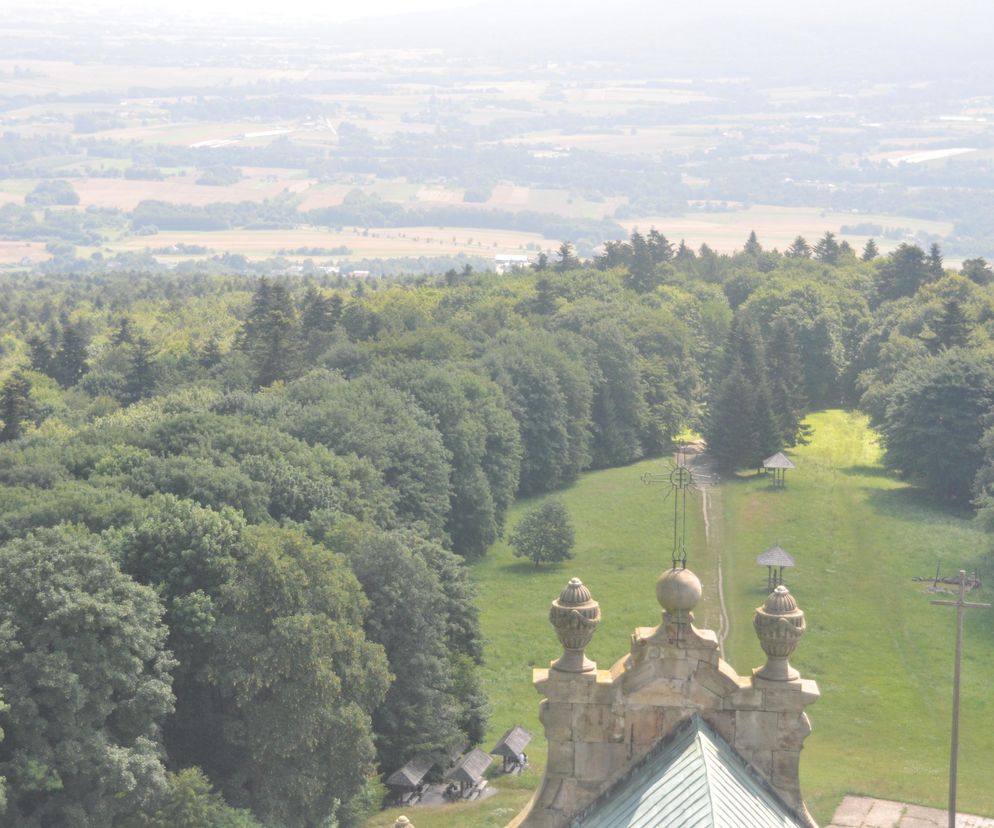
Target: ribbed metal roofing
775	556
512	743
411	774
778	461
470	768
695	780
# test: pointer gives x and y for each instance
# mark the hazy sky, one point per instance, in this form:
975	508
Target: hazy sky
977	13
326	9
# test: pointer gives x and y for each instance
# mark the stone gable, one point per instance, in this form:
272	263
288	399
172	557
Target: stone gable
600	724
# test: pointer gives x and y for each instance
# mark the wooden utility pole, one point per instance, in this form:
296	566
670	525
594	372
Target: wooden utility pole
960	605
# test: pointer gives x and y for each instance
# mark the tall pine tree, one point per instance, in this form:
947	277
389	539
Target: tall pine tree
271	335
742	427
69	361
16	408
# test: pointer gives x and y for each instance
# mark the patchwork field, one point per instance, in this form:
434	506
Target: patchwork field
882	655
777	226
382	243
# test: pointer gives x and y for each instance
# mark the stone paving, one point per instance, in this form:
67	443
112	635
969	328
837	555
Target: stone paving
866	812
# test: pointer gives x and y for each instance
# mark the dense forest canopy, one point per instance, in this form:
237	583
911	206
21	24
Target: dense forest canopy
281	481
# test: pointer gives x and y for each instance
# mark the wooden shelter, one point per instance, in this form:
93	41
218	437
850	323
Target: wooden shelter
511	746
467	773
776	561
409	778
778	464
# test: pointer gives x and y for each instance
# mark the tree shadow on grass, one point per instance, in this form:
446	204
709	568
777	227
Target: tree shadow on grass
912	504
869	471
527	567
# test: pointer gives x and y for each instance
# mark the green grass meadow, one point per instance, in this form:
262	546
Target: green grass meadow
881	653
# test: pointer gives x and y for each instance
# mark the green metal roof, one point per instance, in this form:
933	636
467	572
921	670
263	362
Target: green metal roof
694	780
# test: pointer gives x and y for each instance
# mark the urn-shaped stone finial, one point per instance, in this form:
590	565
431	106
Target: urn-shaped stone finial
403	822
575	615
779	624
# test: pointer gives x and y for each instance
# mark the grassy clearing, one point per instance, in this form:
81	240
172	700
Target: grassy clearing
624	533
879	651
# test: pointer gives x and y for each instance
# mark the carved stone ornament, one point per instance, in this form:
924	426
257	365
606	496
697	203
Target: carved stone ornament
779	623
678	591
574	615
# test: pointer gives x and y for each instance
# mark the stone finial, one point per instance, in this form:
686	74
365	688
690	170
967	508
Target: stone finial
575	615
779	623
678	591
403	822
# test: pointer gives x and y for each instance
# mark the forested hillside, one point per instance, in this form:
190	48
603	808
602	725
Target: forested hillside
235	515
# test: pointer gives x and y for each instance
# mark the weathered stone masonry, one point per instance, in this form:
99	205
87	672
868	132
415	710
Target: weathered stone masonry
600	723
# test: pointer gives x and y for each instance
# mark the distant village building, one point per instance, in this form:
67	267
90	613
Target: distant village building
671	730
508	262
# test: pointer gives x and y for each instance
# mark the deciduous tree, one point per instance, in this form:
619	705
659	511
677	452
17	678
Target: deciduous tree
545	534
86	677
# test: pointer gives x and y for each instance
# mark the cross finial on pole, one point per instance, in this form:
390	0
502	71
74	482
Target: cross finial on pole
960	604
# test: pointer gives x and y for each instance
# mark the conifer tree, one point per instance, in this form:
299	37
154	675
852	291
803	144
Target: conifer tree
69	361
935	268
660	248
799	249
742	428
335	305
752	245
642	276
40	354
567	258
870	251
140	380
826	249
210	354
125	334
271	334
16	408
684	257
545	298
786	375
951	329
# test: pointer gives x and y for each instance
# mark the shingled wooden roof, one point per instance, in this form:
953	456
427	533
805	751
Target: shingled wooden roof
513	742
470	768
411	774
775	556
778	461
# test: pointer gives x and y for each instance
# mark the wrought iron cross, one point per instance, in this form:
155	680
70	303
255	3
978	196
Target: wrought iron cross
680	478
960	605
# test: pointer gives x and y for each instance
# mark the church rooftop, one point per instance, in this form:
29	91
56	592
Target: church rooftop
693	780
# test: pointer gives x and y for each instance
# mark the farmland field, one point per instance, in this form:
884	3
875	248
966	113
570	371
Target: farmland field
382	243
777	226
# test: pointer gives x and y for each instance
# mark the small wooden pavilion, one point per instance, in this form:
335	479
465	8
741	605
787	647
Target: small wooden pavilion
778	464
776	561
408	779
467	773
511	746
